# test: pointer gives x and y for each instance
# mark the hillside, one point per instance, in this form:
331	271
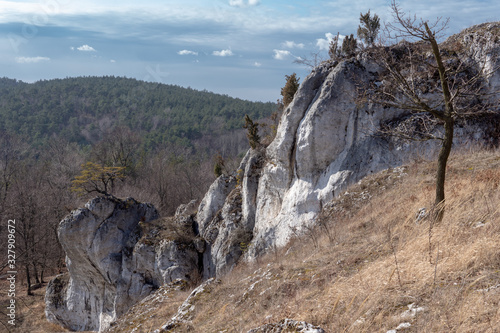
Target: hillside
329	137
84	109
372	265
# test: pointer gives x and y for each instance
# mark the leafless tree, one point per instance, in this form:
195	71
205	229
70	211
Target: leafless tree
433	82
36	197
311	61
118	148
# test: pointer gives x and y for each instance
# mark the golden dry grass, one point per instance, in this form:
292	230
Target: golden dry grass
378	260
30	312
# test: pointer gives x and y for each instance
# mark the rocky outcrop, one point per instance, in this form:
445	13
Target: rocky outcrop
326	141
226	215
186	310
138	317
482	43
118	252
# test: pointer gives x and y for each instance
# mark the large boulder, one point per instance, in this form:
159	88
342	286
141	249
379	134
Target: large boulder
117	252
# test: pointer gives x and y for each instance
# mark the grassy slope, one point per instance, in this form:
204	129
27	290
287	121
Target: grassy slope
376	261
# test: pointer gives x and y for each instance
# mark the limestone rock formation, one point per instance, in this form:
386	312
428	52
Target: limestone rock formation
325	141
118	252
226	216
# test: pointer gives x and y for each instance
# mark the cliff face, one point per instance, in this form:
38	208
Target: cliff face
325	141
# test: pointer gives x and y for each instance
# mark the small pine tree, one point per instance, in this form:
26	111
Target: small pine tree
349	46
334	50
96	178
290	88
369	28
219	165
252	132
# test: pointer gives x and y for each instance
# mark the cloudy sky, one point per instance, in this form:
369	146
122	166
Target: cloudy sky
242	48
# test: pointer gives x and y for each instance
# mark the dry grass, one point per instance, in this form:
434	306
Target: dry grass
152	311
376	267
350	282
30	311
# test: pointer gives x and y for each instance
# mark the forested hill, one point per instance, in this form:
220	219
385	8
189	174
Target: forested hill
84	109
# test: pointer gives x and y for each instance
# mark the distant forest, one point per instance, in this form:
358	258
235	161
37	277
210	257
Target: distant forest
82	110
61	140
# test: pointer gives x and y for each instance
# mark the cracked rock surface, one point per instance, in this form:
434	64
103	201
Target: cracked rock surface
117	253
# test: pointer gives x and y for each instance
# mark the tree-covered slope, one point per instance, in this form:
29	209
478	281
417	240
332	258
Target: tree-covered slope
83	109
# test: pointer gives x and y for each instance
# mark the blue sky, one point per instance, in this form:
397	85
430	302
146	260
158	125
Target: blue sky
242	48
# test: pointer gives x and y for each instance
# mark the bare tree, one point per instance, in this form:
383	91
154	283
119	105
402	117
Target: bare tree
436	84
119	148
311	61
12	150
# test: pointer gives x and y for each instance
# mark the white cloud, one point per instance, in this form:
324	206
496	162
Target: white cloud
85	48
257	64
281	54
187	52
223	53
31	60
113	61
292	45
324	44
243	3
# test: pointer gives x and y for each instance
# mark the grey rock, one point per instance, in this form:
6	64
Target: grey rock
187	209
115	257
288	325
230	230
214	200
185	312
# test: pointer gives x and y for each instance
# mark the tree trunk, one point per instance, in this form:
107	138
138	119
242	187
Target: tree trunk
28	280
444	153
449	122
35	272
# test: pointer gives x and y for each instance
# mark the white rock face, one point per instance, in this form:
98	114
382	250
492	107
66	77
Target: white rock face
226	216
483	45
324	143
110	269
